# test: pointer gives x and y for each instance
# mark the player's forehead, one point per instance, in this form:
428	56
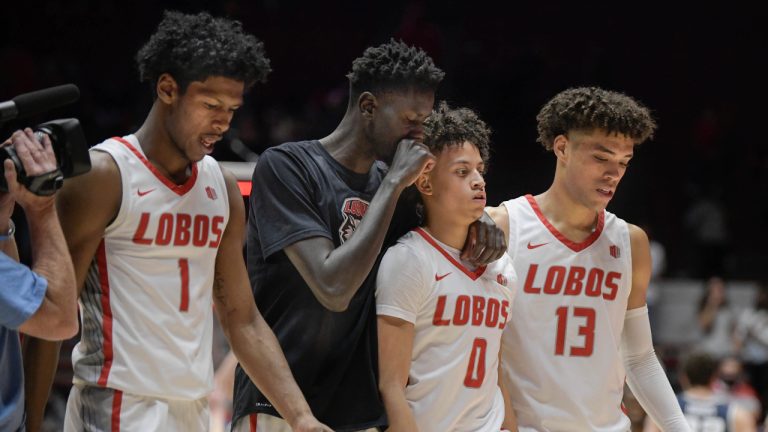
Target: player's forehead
409	99
614	143
464	152
224	89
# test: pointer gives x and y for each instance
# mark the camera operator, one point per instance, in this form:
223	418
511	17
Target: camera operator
40	301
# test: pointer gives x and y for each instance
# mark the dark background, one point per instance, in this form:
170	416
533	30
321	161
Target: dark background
701	69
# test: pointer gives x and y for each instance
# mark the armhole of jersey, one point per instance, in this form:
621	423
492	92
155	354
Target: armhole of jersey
512	229
122	211
628	248
214	164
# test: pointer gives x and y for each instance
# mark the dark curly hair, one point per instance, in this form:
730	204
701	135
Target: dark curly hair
195	47
453	126
589	108
393	66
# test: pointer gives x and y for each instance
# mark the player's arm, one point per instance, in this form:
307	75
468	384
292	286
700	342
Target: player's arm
251	339
645	376
85	205
335	274
395	349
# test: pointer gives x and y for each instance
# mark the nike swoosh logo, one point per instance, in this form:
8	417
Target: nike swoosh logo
534	246
438	278
142	193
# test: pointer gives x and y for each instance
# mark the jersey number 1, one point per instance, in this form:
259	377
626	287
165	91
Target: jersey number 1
184	269
587	330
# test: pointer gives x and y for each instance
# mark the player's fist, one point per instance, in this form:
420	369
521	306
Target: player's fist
411	159
485	242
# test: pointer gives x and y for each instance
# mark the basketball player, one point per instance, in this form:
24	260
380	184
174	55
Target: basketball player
440	319
155	230
704	410
320	213
580	319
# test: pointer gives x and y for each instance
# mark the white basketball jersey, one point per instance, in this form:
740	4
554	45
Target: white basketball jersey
147	303
458	317
560	352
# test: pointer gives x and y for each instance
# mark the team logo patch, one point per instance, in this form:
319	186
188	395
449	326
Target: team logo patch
211	192
352	211
501	279
614	251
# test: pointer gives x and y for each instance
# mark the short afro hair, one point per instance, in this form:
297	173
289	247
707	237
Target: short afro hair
195	47
453	126
590	108
393	66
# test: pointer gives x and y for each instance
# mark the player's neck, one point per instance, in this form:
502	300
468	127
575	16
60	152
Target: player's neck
348	146
159	149
447	231
565	213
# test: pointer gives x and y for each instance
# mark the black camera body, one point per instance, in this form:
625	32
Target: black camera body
71	150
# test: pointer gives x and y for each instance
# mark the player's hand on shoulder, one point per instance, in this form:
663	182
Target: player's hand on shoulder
485	243
411	159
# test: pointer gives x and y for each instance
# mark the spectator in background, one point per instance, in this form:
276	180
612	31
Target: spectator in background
751	342
704	410
716	319
733	385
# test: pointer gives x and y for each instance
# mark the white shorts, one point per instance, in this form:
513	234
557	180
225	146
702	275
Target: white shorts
267	423
103	409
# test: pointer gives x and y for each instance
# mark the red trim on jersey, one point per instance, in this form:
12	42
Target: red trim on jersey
253	420
178	189
245	188
576	247
106	311
117	403
472	274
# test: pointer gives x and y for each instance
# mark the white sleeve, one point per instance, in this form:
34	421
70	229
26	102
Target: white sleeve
645	376
401	284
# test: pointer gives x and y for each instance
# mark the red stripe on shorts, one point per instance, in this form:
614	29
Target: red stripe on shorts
117	402
253	420
106	312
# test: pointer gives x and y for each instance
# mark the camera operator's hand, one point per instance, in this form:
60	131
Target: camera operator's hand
37	158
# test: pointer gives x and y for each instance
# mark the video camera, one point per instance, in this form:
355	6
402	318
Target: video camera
66	135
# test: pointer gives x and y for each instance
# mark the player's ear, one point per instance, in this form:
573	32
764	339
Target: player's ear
167	88
559	147
367	104
424	184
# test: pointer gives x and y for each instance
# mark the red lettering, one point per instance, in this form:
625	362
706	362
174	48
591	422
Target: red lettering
478	309
492	314
183	223
574	284
438	319
594	282
200	233
461	313
554	282
164	229
611	283
504	313
216	230
138	236
528	287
